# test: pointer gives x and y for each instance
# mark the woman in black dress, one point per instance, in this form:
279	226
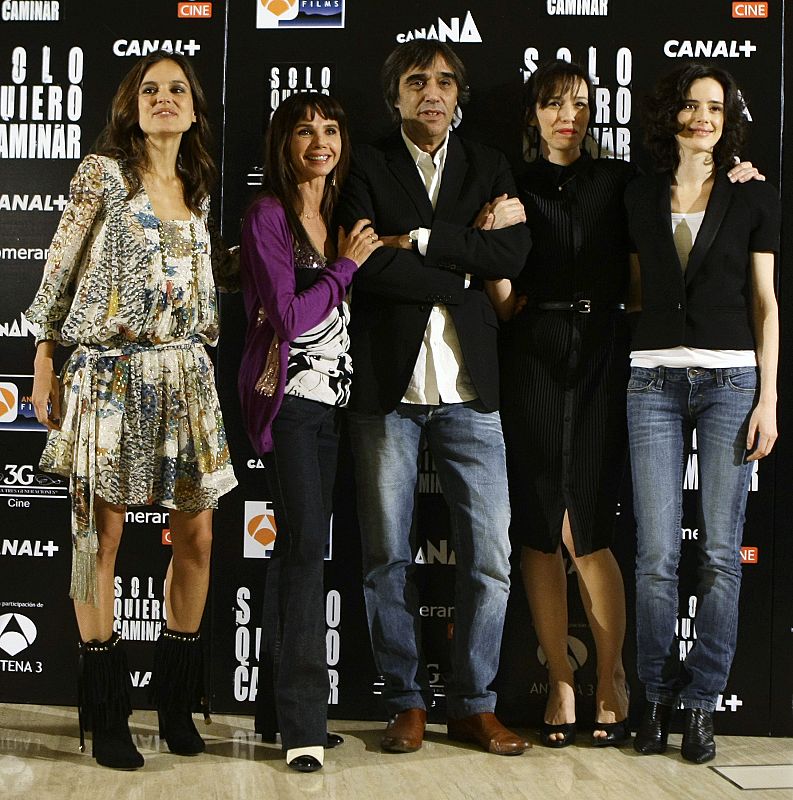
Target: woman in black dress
564	370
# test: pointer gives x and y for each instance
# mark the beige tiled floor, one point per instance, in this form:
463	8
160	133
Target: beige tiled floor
39	760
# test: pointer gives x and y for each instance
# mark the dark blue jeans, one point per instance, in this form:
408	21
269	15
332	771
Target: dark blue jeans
467	447
293	664
665	405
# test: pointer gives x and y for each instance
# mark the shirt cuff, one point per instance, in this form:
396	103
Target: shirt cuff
424	240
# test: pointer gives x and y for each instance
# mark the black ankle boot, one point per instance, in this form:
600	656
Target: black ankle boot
176	690
653	729
103	704
698	744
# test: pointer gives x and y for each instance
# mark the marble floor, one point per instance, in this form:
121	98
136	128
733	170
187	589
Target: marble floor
39	760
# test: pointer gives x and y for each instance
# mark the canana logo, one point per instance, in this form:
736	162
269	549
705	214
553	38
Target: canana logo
17	633
9	401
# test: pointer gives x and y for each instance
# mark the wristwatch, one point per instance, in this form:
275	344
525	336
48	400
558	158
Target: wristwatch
413	237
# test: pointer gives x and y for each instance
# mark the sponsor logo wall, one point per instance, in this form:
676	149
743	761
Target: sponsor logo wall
58	70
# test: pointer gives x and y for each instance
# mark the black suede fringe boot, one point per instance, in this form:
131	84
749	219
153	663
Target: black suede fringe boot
177	689
103	703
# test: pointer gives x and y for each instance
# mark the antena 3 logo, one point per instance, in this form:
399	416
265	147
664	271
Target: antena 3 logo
300	13
9	402
261	531
452	31
17	633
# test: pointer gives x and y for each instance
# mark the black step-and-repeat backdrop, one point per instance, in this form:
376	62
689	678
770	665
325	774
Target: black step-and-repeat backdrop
59	65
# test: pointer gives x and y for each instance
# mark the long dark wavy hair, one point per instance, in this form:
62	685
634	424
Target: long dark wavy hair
280	179
667	100
552	78
123	139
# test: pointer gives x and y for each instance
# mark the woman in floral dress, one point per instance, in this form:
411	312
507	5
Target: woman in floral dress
134	417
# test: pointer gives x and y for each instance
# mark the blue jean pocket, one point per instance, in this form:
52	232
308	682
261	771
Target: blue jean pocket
743	381
640	383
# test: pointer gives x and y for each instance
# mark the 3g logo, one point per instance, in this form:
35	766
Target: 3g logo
17	475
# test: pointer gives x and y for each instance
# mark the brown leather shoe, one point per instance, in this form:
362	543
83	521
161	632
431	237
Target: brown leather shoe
405	731
486	731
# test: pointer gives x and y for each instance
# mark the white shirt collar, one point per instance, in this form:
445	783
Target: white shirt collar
416	152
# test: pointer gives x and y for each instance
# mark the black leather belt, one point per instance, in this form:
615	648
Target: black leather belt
580	306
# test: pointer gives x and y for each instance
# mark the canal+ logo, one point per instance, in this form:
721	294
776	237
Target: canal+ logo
9	401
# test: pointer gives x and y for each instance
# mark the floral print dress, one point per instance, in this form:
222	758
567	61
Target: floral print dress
140	417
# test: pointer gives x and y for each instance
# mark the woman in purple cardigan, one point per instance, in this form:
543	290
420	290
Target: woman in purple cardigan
295	373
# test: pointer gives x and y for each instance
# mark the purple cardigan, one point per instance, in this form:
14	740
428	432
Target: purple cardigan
268	282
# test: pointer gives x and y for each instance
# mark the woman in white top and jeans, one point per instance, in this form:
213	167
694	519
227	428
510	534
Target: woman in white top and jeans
704	358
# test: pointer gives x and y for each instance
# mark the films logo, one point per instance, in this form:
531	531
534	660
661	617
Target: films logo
20	484
17	633
16	408
261	530
300	14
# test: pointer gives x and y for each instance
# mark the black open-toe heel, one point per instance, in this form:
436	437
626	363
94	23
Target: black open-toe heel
567	729
617	734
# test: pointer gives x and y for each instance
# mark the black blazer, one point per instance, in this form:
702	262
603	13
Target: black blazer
394	291
710	304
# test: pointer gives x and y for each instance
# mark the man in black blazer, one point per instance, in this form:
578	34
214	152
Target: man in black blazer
423	339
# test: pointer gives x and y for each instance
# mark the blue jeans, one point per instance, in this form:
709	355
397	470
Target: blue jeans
665	405
467	447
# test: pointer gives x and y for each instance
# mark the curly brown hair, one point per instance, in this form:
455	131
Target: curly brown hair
667	100
280	179
123	139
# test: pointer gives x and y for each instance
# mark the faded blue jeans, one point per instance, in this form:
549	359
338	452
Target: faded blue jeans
467	447
665	405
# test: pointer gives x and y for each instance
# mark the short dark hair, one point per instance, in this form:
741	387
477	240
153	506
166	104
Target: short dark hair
552	78
123	139
663	105
280	180
420	53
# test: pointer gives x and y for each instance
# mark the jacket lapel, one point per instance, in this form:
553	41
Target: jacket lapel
666	239
454	172
406	172
718	202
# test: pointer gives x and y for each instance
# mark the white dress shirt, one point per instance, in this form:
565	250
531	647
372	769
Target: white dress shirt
440	375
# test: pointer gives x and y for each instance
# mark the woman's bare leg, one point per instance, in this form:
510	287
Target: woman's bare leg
187	581
545	581
96	622
603	595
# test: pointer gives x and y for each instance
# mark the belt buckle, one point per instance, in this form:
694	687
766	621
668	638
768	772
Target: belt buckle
583	306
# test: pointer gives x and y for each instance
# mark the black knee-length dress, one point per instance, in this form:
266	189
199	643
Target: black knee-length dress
564	373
